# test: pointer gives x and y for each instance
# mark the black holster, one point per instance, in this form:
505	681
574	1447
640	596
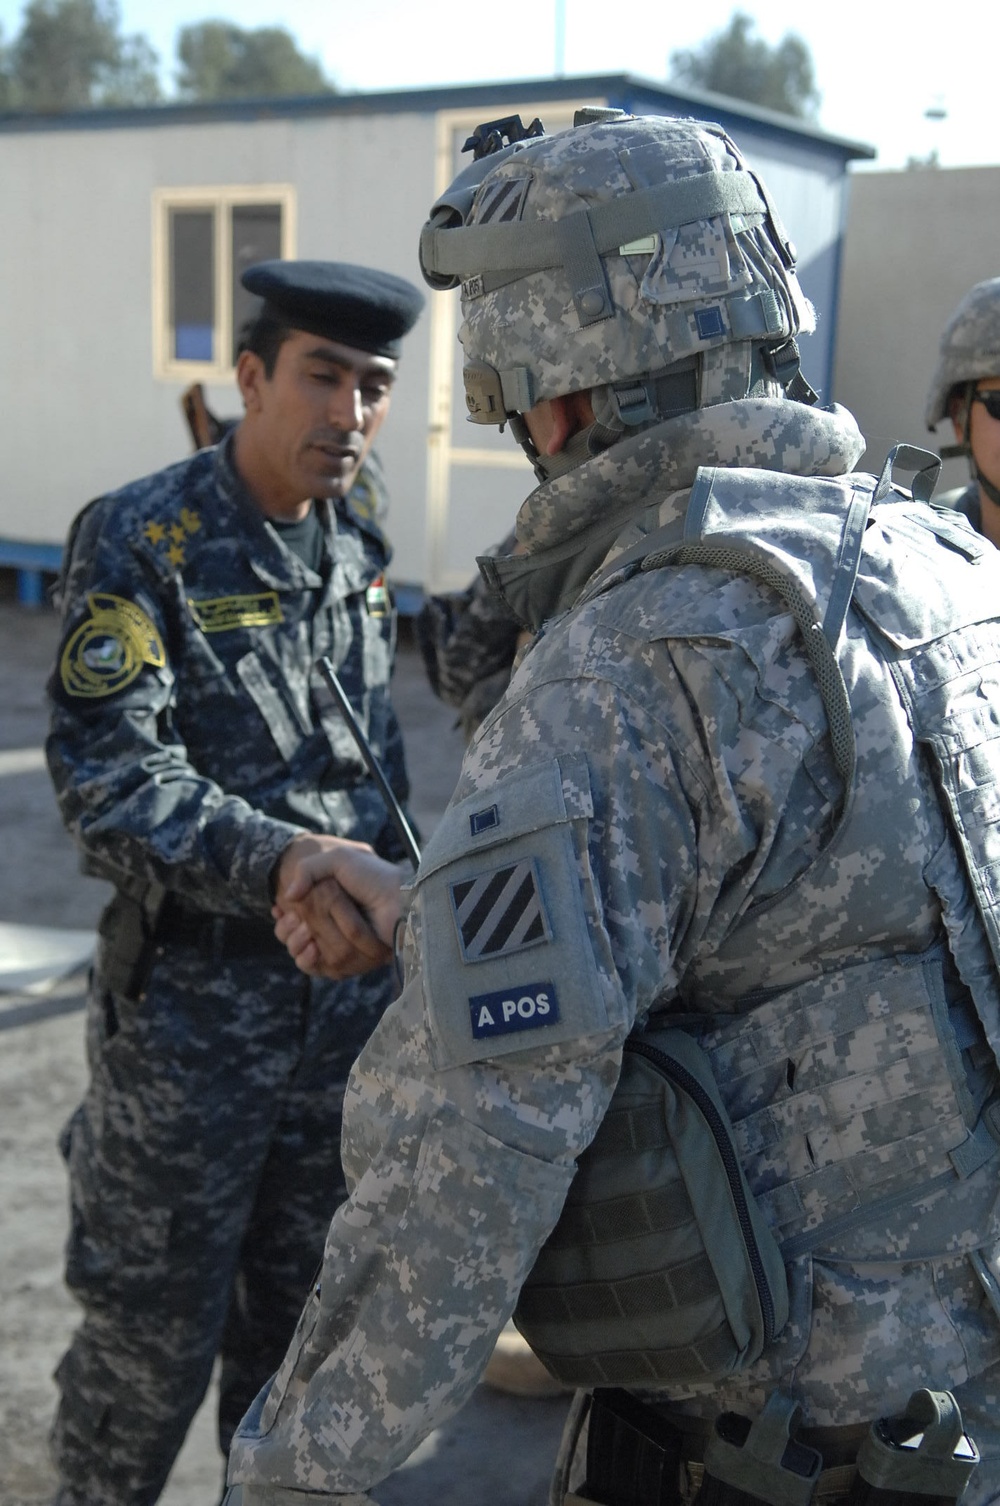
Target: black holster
760	1463
127	940
923	1458
636	1456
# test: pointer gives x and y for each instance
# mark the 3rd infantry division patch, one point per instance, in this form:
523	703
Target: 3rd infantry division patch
499	912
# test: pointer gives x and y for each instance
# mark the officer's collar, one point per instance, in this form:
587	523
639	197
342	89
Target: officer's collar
270	559
363	505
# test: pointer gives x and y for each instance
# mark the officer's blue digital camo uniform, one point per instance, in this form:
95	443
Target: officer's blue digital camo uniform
191	740
746	776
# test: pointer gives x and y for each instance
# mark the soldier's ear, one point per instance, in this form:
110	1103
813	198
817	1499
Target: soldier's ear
250	377
570	413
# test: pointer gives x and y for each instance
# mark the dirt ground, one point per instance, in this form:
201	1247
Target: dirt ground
499	1450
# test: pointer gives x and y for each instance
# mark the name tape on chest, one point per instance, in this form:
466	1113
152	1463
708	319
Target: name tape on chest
509	1011
223	614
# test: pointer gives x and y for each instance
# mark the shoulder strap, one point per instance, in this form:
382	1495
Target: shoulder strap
662	547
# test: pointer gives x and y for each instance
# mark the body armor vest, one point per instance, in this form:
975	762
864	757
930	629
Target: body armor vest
868	1091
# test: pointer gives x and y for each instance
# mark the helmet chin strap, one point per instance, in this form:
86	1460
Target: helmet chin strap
965	448
546	467
716	376
993	492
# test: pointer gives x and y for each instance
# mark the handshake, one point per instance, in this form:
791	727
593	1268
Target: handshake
336	905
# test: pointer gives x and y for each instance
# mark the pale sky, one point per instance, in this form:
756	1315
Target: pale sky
879	66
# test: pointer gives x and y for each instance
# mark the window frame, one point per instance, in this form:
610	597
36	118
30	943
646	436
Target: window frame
219	200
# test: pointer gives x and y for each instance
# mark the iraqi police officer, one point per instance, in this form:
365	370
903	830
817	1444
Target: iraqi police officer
195	754
965	389
696	1061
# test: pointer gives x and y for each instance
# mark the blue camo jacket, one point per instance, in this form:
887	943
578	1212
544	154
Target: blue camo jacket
191	735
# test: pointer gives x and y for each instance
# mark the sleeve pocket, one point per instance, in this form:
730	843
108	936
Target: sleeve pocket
509	915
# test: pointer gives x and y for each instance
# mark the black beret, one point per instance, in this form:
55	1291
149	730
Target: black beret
357	306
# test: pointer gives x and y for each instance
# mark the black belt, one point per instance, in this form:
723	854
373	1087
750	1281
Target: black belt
221	937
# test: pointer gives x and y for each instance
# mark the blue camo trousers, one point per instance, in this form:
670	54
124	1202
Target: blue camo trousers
204	1166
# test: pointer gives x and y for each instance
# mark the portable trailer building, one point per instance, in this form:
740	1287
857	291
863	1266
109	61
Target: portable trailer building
126	231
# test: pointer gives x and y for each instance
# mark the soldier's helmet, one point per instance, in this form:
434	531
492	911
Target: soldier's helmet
638	256
969	349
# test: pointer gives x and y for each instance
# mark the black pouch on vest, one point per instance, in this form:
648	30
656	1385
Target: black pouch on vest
633	1454
662	1270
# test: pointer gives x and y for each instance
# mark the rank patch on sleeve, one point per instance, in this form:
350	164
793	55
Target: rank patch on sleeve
499	912
487	820
509	1011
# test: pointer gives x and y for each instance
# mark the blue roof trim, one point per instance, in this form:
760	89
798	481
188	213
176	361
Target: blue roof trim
20	554
624	90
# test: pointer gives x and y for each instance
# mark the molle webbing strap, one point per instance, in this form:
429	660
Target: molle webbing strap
820	639
848	564
660	1269
655	1212
755	317
513	249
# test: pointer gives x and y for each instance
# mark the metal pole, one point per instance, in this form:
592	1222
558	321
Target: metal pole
560	38
371	762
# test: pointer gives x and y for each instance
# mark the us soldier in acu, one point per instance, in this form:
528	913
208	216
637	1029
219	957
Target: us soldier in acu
696	1062
965	388
196	756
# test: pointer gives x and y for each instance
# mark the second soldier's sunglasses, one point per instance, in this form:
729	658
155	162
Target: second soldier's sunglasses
990	401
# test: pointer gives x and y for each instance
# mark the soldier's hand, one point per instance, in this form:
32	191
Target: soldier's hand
336	906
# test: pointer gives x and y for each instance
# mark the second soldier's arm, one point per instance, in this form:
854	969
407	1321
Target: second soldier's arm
530	950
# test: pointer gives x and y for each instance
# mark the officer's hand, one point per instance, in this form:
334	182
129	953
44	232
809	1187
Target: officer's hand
336	906
327	935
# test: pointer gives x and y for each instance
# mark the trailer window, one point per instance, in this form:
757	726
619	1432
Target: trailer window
203	241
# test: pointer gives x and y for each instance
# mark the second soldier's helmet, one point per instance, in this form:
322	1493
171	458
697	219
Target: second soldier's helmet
969	349
638	256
